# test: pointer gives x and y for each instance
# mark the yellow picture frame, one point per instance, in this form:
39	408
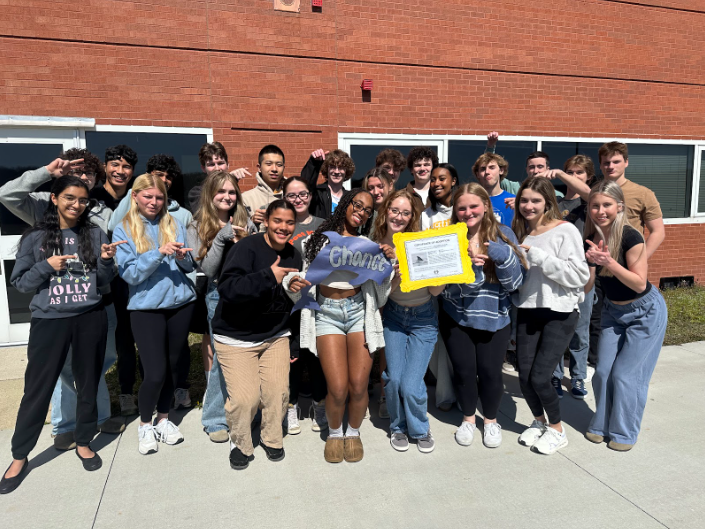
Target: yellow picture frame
438	257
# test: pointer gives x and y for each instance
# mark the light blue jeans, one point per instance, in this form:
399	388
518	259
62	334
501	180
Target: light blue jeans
63	400
580	343
630	343
213	416
410	335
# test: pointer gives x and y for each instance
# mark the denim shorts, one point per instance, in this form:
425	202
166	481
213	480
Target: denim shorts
340	316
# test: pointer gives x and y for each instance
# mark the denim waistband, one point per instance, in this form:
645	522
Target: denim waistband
330	302
396	307
651	296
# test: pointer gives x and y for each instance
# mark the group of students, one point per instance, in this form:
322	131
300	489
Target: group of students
243	257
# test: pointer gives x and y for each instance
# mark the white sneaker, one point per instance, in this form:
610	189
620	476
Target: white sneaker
492	435
532	433
590	373
383	411
181	399
167	432
292	419
320	421
550	442
147	441
465	433
128	406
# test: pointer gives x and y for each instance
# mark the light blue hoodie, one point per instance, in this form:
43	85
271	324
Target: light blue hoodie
156	281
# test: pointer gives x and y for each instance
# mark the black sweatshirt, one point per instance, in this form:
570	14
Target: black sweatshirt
252	306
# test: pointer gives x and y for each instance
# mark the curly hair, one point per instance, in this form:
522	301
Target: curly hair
380	226
488	157
338	158
419	153
165	163
335	223
91	163
52	243
121	151
393	157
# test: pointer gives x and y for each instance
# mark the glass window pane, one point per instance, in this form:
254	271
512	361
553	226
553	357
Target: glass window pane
463	153
183	147
364	158
16	300
15	159
561	151
701	196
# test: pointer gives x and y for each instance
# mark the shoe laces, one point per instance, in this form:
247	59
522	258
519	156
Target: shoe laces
398	436
579	384
292	414
428	437
492	429
469	426
145	431
164	428
181	394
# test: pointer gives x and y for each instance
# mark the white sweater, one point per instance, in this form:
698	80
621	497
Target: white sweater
436	219
557	271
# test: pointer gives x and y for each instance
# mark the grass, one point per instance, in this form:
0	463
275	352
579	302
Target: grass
686	323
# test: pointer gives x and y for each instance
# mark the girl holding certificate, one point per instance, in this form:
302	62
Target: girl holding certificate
634	318
474	321
410	332
548	306
346	330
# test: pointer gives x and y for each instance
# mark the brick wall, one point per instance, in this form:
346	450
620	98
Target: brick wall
555	68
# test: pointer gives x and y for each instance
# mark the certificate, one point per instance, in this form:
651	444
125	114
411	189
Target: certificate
434	257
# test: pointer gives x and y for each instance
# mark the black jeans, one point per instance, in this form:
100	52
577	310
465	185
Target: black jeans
477	358
596	323
49	342
124	340
160	336
542	338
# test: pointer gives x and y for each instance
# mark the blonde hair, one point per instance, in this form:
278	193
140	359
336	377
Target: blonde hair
206	217
380	225
613	191
544	187
134	224
489	227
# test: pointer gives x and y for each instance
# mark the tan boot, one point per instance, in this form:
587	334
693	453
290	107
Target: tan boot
594	438
619	447
353	449
335	447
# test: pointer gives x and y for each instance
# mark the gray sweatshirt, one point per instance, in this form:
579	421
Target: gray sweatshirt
61	294
210	264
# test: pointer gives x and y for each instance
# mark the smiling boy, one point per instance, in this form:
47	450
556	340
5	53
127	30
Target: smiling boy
120	162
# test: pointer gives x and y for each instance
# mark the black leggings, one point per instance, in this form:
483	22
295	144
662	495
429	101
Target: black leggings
160	337
49	342
542	338
596	323
124	341
315	376
477	358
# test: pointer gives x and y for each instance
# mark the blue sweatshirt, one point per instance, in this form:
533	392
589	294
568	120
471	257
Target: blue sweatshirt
483	305
156	281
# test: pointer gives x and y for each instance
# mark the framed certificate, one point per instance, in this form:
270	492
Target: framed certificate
434	257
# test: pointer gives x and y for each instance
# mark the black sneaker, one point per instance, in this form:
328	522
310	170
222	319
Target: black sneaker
64	441
577	388
273	454
556	383
238	460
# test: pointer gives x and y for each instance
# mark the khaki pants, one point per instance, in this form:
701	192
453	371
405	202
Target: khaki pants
254	374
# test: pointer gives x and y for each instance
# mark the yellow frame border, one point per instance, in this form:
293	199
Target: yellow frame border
459	229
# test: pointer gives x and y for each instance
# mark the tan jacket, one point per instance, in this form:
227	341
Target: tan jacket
259	197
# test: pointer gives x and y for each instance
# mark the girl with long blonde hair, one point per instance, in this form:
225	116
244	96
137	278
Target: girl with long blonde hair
154	263
474	320
634	319
547	304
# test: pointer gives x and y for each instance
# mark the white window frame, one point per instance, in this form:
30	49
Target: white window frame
346	139
149	129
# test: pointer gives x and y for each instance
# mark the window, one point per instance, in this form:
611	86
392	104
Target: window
463	153
701	195
183	147
17	302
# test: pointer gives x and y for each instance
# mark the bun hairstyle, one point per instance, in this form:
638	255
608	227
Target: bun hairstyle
134	222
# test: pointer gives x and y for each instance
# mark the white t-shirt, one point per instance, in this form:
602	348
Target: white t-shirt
436	219
423	194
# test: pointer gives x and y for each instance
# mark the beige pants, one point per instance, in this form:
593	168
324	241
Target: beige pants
253	375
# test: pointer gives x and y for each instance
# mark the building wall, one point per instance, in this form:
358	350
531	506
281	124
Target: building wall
600	68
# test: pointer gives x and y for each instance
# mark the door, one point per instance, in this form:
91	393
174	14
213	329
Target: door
22	150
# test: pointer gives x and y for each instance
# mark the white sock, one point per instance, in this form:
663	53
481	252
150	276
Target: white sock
352	432
335	432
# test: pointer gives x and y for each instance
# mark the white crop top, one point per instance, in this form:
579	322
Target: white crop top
340	280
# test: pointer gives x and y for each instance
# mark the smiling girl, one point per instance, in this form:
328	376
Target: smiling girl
63	260
444	180
154	264
547	305
634	318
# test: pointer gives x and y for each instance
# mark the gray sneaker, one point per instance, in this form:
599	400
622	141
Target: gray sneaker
399	441
426	444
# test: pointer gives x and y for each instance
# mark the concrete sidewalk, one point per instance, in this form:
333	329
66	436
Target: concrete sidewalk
657	484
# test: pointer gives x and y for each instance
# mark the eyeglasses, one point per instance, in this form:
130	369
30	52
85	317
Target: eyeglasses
360	207
78	174
291	197
70	199
396	212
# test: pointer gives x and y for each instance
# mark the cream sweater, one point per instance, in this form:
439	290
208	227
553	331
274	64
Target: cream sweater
557	271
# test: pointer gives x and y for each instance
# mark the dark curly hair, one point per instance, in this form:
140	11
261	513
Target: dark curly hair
121	151
419	153
91	163
338	158
335	223
393	157
53	243
167	163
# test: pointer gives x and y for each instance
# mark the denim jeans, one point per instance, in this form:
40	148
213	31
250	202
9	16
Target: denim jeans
410	335
213	416
580	343
630	343
63	400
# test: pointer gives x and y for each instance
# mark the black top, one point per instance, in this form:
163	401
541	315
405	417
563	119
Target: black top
101	194
574	211
301	231
613	288
321	201
252	306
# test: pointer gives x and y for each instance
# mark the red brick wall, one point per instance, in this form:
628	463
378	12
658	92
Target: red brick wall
553	68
